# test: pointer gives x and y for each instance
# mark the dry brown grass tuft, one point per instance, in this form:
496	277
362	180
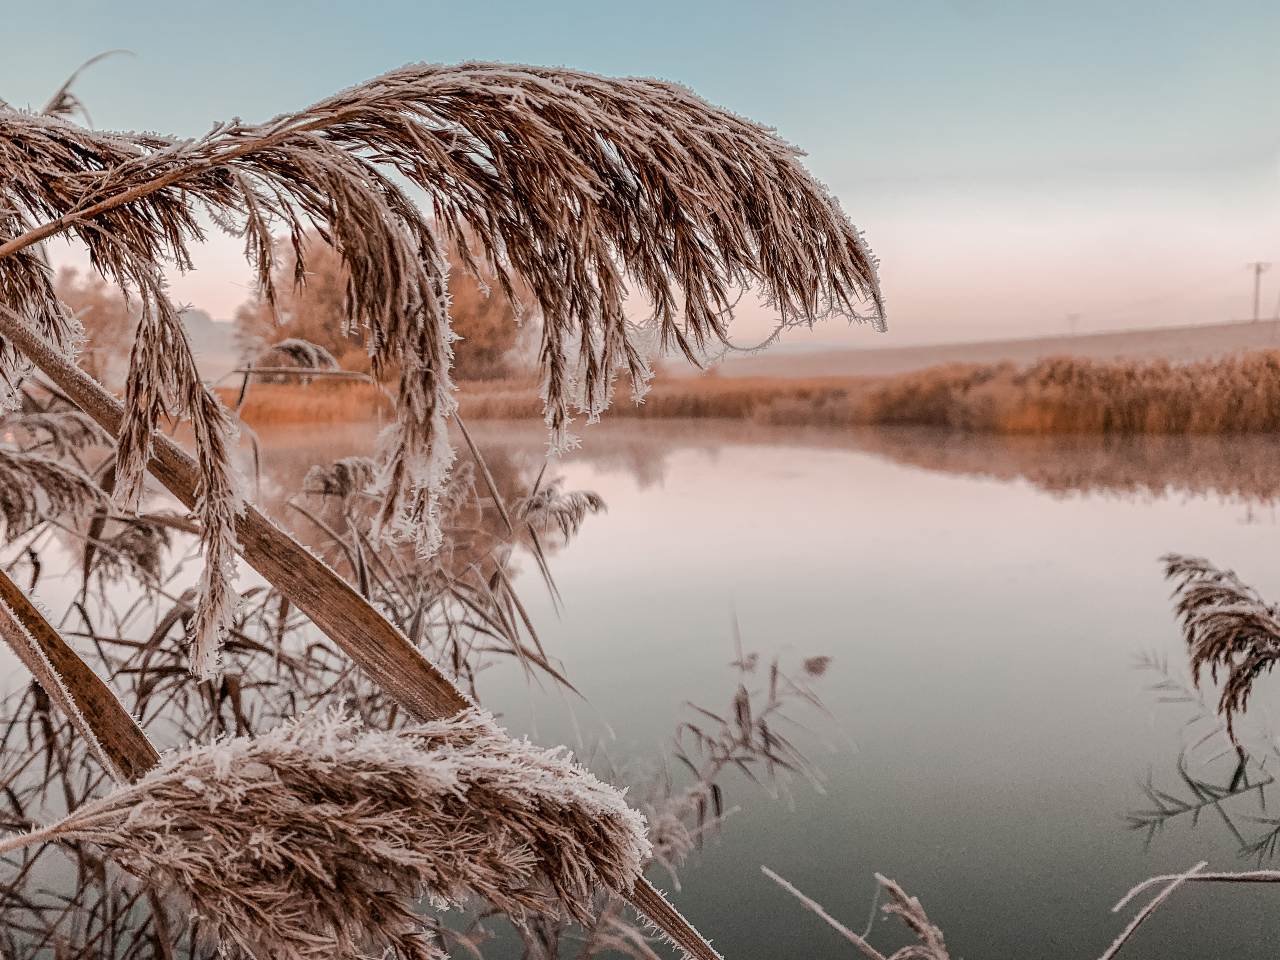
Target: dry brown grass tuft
821	401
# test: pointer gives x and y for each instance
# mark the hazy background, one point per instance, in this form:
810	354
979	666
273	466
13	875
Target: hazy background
1011	163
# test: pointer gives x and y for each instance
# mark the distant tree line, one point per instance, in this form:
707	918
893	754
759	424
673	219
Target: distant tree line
485	318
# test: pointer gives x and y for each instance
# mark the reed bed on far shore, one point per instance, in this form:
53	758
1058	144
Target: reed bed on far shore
1234	394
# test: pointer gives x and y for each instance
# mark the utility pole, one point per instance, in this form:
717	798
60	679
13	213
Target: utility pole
1073	322
1259	267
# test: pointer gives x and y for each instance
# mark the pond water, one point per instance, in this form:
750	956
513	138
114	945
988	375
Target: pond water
984	602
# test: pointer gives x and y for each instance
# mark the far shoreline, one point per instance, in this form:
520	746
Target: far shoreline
1237	393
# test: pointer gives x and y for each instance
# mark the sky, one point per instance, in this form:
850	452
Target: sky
1011	163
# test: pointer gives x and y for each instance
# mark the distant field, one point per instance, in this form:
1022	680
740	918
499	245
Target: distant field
1177	344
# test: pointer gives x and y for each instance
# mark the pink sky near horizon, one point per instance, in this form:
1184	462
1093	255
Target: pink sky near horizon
990	263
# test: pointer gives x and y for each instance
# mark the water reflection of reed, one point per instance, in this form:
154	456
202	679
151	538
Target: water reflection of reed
1217	779
1236	467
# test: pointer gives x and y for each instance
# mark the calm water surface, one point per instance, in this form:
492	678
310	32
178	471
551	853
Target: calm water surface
983	601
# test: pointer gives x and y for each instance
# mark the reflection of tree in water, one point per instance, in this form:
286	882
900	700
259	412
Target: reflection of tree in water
638	450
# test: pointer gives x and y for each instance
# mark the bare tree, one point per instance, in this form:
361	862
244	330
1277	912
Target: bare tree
481	315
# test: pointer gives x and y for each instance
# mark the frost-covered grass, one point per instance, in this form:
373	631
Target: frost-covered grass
317	838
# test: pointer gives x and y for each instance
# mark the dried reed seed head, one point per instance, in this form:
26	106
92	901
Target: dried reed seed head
315	839
137	548
164	379
345	477
579	185
35	488
1227	626
59	432
932	945
564	510
297	352
27	288
816	666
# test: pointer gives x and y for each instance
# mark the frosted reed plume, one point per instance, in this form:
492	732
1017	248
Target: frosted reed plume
344	478
39	481
577	187
552	507
1227	626
298	353
34	488
315	839
164	381
57	432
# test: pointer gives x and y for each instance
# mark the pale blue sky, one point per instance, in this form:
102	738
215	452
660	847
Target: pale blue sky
1010	162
